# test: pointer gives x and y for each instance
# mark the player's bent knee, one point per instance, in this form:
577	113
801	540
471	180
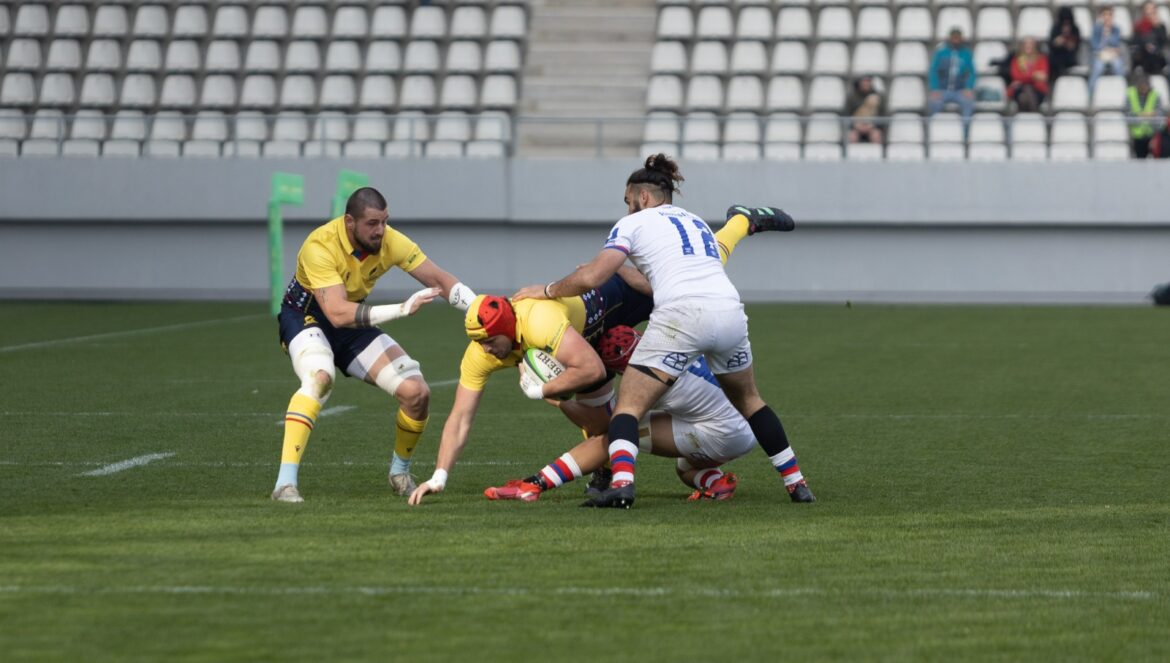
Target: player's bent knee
394	374
413	394
314	365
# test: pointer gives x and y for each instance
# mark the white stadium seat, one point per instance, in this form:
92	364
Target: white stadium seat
785	93
1037	22
298	92
1030	152
64	55
1109	94
827	93
875	23
830	58
987	51
464	57
1110	126
790	57
1069	152
993	152
1070	93
664	93
183	56
258	91
389	22
383	57
870	58
338	91
309	22
32	20
742	128
302	56
741	152
18	89
57	91
783	128
953	17
88	125
907	93
753	24
704	93
745	93
231	22
863	152
458	92
993	24
508	22
714	23
835	23
453	126
676	23
270	22
468	23
709	57
418	92
411	126
782	151
371	126
822	152
428	22
701	128
343	57
190	22
1111	151
749	57
71	21
794	23
823	128
668	57
906	128
700	151
493	125
499	91
178	91
661	127
946	152
987	128
422	57
150	22
223	56
377	92
98	91
1069	127
24	55
350	22
914	24
903	152
110	21
144	55
502	57
1029	128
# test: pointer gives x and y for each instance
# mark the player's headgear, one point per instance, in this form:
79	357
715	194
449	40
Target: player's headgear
616	346
489	316
660	171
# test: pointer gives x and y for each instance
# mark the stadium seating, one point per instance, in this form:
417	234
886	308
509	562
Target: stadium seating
194	78
790	64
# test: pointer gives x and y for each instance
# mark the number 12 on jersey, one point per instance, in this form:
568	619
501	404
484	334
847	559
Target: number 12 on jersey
688	249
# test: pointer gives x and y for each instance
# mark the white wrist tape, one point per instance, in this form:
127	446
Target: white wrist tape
438	480
388	312
460	296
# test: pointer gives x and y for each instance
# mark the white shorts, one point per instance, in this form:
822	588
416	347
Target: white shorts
679	333
707	442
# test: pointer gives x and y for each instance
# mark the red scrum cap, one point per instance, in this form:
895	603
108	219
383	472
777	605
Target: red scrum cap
489	316
616	346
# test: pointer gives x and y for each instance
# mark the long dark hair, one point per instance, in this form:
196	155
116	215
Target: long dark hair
660	172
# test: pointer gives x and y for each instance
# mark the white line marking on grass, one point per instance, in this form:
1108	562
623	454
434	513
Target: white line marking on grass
127	464
128	332
329	411
212	463
671	593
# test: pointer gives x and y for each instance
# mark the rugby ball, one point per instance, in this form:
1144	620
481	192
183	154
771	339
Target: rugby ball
542	365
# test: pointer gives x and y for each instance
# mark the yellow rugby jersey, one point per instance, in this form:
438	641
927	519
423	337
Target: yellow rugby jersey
327	258
540	323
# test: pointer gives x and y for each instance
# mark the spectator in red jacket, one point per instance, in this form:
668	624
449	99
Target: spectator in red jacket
1149	41
1029	77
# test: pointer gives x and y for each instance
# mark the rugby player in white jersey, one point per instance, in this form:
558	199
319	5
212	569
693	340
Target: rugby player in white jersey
693	422
697	311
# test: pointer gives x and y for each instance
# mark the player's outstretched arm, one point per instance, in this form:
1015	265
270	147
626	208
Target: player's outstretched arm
344	313
455	433
582	280
431	275
635	279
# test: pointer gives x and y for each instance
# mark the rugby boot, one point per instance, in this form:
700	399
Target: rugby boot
287	493
722	489
761	219
403	484
598	481
619	497
799	492
516	489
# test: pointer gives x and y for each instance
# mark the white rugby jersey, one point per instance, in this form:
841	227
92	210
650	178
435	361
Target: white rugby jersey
696	396
676	250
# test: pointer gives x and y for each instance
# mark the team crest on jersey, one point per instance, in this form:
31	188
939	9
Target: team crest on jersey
310	320
675	360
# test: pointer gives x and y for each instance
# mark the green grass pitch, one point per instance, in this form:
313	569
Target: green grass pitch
994	483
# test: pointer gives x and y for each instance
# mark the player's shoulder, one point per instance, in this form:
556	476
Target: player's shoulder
539	322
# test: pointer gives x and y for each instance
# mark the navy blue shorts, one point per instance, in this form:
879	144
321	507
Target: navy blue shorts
614	304
299	311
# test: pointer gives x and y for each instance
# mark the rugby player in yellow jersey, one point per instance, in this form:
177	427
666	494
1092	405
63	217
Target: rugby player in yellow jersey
501	331
325	322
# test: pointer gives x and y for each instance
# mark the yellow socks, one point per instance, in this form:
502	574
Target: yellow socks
405	440
730	234
298	424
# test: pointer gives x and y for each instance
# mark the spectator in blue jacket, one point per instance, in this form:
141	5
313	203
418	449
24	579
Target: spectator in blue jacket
1107	50
952	76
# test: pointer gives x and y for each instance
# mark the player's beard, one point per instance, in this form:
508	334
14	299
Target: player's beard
369	247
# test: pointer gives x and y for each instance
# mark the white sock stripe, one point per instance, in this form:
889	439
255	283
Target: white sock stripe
795	477
550	475
782	457
623	445
573	466
622	476
707	477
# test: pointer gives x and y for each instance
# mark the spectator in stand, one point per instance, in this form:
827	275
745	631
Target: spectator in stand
1107	51
952	76
1149	41
1064	43
1029	84
1160	143
1143	110
865	105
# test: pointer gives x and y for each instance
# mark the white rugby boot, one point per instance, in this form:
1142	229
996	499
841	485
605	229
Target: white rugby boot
287	493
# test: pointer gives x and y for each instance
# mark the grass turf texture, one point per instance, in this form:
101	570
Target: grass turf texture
992	485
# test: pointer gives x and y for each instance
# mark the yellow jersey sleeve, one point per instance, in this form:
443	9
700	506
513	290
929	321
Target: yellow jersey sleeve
544	326
477	366
403	251
319	265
